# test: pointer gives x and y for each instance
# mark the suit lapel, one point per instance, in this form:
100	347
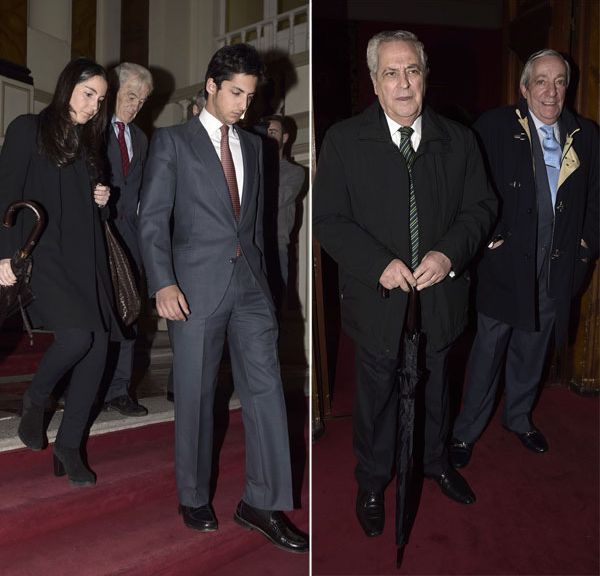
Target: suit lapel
135	147
249	161
205	152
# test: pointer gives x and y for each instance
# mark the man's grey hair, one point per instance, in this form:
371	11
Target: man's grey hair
129	71
394	36
526	74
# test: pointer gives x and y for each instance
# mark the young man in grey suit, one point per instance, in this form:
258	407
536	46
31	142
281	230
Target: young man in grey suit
202	247
127	147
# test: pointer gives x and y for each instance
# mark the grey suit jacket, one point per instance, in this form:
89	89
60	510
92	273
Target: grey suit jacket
125	191
184	180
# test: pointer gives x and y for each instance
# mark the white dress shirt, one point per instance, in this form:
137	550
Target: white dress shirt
415	137
213	127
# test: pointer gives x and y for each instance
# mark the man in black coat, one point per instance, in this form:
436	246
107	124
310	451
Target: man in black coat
543	162
127	147
362	197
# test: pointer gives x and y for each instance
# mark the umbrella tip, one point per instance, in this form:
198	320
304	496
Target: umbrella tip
399	556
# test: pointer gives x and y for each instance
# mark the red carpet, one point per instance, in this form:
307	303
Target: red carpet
535	514
128	524
17	355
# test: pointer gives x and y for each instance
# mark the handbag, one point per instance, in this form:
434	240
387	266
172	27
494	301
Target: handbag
127	297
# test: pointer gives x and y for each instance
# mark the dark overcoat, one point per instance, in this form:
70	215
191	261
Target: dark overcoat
125	190
360	213
70	269
507	275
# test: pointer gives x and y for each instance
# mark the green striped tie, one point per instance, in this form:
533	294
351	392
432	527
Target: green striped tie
407	151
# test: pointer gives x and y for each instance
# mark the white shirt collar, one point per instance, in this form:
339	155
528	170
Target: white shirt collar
416	126
212	124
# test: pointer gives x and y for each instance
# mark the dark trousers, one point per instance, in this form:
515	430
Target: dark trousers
121	379
523	354
375	416
85	353
246	319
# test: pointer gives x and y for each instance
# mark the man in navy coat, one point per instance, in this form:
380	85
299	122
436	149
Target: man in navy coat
543	162
361	211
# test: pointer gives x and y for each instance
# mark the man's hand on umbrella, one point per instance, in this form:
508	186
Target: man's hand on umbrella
397	275
434	267
7	276
171	303
101	195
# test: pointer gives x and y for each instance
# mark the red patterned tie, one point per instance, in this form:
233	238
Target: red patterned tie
229	170
123	147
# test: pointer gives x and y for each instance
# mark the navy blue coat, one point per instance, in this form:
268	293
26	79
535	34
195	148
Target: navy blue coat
507	275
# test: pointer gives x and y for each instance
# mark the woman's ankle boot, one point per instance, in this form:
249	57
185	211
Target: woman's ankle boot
68	461
32	427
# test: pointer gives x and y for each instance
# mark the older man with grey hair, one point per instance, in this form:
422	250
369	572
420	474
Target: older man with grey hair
401	203
543	162
127	146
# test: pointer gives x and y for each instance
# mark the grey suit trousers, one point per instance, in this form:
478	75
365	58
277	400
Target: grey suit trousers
245	317
523	354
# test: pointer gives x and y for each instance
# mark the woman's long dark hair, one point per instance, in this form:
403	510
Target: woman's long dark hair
60	139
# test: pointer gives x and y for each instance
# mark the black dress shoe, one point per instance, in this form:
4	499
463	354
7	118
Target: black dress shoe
201	518
273	525
459	453
370	511
455	486
533	440
126	406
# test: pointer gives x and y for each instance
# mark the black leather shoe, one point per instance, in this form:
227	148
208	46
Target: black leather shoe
126	406
459	453
455	486
533	440
273	525
370	511
201	518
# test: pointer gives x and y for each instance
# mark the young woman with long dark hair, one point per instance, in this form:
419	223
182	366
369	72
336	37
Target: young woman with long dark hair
55	158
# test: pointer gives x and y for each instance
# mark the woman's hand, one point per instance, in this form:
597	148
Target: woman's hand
7	276
101	195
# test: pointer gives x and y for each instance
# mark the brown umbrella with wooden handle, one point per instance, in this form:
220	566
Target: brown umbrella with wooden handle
19	295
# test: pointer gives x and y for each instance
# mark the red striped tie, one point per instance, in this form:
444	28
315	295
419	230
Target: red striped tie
229	170
123	147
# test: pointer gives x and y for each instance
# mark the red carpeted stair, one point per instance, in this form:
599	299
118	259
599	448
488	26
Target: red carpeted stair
128	523
535	514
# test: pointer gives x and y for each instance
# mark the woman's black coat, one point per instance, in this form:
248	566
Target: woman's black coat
70	277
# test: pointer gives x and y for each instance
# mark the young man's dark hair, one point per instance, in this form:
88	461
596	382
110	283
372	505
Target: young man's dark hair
234	59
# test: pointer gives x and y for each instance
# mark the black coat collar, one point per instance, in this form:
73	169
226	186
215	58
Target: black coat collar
373	126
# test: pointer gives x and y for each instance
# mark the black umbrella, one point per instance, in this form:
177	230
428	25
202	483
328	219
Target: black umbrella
408	376
19	295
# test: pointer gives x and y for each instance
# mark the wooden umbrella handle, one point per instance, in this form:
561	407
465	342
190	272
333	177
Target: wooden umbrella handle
36	232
